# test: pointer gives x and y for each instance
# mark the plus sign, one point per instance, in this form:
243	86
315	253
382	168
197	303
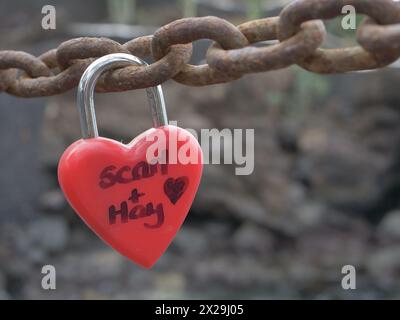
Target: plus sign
135	195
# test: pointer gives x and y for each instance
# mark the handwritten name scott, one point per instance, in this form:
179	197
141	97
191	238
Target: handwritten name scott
112	175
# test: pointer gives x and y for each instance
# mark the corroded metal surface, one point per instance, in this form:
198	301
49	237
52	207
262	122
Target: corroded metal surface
344	59
299	32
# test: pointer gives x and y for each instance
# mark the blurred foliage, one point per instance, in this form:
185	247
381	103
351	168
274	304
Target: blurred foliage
334	27
121	11
307	88
254	9
188	7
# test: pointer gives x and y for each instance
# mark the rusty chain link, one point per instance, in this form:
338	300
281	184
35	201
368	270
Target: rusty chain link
383	12
298	30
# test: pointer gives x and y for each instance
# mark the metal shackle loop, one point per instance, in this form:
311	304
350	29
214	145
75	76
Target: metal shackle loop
87	85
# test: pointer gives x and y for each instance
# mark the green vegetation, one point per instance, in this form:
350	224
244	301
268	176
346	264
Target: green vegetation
121	11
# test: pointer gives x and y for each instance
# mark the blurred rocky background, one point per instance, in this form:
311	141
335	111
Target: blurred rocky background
325	191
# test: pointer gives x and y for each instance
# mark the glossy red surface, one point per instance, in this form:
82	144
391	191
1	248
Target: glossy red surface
134	206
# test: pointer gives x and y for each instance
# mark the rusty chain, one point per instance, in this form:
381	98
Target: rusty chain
298	31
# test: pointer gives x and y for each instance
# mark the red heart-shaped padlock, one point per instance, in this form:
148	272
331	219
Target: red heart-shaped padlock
134	205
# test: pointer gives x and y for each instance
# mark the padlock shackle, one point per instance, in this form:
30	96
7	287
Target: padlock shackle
87	86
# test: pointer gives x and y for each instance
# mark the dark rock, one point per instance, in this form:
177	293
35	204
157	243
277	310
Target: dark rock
237	272
49	234
191	241
3	288
252	239
53	201
384	266
389	228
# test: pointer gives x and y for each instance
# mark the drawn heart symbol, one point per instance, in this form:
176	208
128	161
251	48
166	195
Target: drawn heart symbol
174	188
134	205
